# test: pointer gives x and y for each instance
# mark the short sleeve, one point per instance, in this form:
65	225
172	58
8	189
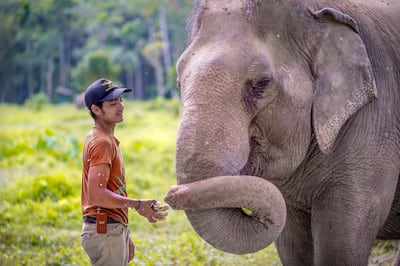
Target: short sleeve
101	151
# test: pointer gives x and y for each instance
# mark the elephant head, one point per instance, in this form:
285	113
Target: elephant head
261	81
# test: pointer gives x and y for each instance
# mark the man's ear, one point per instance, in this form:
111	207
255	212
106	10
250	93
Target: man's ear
95	109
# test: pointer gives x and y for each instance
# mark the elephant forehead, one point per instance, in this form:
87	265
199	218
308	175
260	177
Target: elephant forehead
208	81
215	18
225	6
245	8
211	63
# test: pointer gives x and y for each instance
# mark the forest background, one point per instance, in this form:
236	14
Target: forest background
50	51
57	48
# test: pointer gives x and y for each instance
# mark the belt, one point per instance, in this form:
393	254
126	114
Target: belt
92	220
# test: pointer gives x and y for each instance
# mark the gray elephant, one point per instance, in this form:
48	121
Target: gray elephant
290	127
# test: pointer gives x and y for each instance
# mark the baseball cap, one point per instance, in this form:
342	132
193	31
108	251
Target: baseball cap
102	90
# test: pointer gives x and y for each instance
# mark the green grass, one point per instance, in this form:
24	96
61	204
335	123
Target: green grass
40	179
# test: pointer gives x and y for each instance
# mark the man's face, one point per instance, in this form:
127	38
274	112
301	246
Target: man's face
113	111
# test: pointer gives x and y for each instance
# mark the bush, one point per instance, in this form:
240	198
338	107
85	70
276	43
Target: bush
37	101
54	187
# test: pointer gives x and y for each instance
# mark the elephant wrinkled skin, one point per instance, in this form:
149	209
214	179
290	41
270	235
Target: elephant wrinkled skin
291	109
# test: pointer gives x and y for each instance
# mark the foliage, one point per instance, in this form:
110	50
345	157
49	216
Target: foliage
152	52
94	65
46	44
37	101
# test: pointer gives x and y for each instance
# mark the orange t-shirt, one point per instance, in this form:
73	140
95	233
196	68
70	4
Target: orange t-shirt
100	148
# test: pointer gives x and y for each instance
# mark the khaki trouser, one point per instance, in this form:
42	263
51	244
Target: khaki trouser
111	249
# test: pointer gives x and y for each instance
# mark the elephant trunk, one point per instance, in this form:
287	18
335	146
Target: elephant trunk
213	193
214	208
213	146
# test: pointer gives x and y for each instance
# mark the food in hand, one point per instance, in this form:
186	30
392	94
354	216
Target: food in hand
160	211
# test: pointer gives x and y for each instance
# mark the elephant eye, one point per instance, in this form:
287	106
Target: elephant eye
259	87
263	82
255	90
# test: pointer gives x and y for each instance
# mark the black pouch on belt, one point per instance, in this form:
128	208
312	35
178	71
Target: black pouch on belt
101	222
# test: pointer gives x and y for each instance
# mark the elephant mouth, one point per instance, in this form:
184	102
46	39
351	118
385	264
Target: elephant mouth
215	208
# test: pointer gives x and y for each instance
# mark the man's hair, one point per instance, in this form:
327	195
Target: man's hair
93	115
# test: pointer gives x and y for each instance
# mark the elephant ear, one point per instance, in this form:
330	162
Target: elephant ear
344	80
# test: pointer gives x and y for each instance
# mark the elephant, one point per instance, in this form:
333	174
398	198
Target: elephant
289	130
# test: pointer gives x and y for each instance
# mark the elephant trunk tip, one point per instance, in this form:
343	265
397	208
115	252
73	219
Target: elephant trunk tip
214	207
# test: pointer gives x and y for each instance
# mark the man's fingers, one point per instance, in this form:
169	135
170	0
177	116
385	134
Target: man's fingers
159	212
162	214
159	216
158	206
151	220
163	208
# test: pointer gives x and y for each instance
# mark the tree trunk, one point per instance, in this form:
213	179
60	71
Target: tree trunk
160	81
62	66
166	50
49	79
29	71
130	80
139	91
165	39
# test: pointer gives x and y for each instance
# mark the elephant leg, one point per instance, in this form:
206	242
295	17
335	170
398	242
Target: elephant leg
396	261
343	236
294	245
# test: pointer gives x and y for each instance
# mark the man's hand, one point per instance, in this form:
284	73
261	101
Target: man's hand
160	211
145	209
153	210
131	250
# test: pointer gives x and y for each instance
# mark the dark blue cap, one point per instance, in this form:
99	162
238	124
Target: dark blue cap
102	90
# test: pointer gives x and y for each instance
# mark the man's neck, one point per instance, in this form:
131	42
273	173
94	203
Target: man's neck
108	128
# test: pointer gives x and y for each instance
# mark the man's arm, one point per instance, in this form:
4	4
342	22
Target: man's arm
100	195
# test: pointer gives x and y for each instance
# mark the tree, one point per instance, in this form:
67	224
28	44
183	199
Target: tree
44	44
95	65
152	52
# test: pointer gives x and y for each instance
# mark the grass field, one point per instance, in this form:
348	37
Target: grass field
40	176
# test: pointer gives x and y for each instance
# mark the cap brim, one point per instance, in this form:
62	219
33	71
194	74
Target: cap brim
115	94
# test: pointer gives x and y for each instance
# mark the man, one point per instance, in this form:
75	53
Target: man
105	236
